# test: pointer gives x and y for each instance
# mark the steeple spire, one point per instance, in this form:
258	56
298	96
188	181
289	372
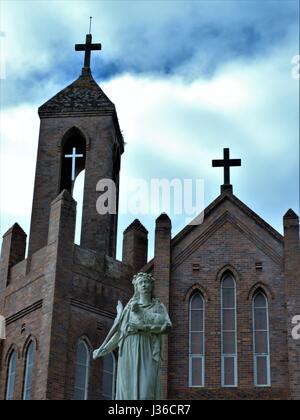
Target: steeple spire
90	29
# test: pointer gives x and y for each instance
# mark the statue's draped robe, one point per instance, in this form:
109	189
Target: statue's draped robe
138	374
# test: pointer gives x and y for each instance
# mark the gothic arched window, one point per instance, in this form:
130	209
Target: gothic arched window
72	159
108	377
11	376
261	341
29	362
197	341
229	363
82	371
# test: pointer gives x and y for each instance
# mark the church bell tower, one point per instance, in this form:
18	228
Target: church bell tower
79	131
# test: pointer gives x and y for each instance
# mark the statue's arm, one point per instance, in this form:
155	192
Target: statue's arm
162	326
152	328
112	340
160	329
108	347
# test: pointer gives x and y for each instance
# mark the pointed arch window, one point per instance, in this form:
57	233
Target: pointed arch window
72	159
229	363
29	363
11	376
82	371
114	217
197	341
261	340
108	377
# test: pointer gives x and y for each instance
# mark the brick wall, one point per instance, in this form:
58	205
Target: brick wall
221	244
292	287
68	293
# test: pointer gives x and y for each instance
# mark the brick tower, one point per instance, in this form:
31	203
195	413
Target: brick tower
61	300
82	119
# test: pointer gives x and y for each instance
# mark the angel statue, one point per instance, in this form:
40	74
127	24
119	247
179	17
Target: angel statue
137	332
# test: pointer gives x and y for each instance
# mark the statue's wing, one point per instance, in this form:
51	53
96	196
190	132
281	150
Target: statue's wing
120	308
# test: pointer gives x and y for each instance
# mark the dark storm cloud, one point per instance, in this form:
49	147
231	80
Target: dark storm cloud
190	38
188	78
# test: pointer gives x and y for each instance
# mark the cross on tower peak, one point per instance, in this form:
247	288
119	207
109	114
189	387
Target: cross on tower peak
226	163
87	48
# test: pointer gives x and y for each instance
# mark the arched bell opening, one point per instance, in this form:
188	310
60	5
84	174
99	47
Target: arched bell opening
73	158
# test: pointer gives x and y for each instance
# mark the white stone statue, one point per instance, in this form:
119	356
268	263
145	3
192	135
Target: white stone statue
137	332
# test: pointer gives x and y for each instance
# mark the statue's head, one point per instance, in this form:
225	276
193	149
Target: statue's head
141	278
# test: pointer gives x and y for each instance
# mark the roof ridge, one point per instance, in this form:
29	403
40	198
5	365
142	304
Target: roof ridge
225	194
241	205
83	94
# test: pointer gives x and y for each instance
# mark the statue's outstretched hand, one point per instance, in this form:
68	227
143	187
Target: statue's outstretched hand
98	353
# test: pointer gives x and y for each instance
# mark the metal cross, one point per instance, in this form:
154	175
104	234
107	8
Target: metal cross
226	163
87	48
73	156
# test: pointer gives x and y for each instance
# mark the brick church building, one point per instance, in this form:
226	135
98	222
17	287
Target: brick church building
231	284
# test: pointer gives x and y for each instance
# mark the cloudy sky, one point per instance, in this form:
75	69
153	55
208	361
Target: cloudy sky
188	78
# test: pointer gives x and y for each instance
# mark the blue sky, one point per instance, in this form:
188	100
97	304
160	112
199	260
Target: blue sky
187	77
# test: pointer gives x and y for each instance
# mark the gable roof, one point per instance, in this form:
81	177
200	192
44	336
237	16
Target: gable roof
225	195
243	207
